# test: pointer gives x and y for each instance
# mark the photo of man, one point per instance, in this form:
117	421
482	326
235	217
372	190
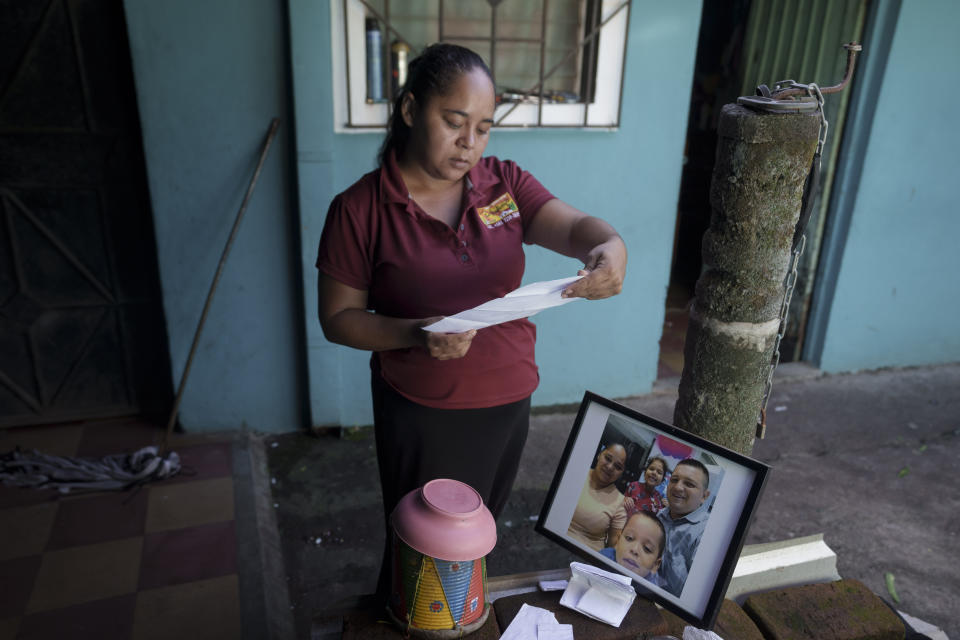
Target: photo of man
684	520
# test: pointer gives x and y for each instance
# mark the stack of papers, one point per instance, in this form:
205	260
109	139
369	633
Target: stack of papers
598	594
519	303
553	585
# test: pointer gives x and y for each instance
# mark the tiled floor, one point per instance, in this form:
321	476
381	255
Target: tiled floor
166	561
161	562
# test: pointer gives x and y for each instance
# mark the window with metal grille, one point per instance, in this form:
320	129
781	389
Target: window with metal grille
555	63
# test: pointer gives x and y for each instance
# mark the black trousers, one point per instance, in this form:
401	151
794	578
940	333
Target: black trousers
416	444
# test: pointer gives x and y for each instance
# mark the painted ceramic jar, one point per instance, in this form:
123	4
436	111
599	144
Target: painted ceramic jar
441	535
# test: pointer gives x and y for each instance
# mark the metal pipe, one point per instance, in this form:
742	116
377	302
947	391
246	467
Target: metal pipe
271	134
852	49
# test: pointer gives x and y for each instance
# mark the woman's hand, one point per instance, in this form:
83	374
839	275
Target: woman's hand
629	504
561	228
446	346
604	270
346	320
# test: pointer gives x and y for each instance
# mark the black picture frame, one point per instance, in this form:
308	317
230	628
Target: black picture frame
735	483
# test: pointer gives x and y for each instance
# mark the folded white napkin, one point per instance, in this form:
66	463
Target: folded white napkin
554	631
524	624
692	633
598	594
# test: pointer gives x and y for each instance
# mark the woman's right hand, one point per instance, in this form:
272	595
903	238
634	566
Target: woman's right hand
446	346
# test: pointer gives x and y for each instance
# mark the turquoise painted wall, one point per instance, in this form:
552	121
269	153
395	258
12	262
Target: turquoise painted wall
209	78
896	298
630	177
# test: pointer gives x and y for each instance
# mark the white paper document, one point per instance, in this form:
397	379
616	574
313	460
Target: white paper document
519	303
554	631
599	594
526	624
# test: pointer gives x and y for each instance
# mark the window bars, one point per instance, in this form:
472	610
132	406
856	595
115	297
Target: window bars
585	50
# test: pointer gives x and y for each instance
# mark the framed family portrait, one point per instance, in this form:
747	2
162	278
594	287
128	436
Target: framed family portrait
653	502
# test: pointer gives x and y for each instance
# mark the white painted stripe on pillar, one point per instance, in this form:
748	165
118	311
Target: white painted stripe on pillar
754	335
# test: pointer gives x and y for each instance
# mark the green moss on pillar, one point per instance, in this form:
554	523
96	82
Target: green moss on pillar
761	164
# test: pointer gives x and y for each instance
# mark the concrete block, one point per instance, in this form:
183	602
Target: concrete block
777	565
842	610
732	623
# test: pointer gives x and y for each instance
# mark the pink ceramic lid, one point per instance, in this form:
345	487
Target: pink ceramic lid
445	519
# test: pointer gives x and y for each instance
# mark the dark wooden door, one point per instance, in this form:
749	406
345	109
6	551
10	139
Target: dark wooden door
81	321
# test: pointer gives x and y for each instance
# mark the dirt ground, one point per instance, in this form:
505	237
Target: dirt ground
869	460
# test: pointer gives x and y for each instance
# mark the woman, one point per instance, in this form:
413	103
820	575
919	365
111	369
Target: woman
600	515
646	497
435	230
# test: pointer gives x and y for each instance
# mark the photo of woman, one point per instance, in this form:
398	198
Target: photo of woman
600	515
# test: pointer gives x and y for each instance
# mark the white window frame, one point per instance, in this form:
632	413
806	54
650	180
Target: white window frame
359	116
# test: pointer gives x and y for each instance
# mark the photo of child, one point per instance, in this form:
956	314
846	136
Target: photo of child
640	547
684	520
646	495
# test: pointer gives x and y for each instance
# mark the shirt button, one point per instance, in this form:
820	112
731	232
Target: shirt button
461	227
464	258
463	243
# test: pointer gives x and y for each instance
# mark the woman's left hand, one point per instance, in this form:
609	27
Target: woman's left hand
561	228
604	271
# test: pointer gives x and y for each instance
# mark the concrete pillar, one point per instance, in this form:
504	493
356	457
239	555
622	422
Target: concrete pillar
761	164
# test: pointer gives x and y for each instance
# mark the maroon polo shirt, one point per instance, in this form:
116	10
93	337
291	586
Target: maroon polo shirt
376	238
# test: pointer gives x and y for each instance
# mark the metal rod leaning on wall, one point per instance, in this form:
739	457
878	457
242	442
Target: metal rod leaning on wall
271	134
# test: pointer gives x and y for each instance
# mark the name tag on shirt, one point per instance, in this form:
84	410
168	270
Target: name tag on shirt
501	210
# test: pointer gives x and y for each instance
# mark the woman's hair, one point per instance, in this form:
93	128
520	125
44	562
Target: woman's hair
431	73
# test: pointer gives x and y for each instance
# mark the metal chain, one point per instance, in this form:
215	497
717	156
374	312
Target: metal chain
791	280
814	91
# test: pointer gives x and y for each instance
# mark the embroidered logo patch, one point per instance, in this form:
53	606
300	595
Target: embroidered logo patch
501	210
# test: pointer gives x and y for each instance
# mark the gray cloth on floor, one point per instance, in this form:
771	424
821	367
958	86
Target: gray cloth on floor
41	471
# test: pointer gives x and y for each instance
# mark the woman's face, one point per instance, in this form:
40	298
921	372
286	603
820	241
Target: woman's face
610	465
449	133
654	474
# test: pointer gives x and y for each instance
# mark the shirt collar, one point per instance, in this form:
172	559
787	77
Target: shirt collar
394	190
392	187
479	178
697	515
